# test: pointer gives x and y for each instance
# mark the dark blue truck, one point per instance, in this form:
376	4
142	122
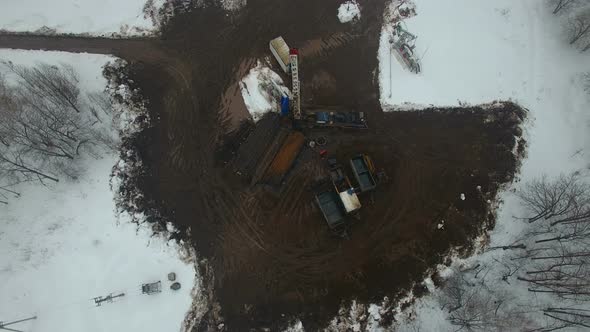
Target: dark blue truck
331	207
340	120
363	169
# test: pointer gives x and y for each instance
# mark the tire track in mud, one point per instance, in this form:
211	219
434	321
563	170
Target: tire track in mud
323	47
149	51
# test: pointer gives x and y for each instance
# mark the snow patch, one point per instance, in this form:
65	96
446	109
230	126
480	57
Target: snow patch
349	11
261	90
297	326
96	18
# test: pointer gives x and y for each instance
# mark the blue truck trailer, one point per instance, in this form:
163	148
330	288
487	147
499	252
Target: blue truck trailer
339	119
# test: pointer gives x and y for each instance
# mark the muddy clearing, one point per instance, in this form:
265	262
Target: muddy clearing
271	252
272	255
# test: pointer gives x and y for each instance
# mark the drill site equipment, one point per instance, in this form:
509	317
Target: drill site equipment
329	203
339	200
151	288
345	191
293	55
280	50
363	169
281	90
99	300
284	158
354	120
348	196
402	44
285	101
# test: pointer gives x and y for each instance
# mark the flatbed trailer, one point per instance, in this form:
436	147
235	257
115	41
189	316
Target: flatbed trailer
250	156
284	158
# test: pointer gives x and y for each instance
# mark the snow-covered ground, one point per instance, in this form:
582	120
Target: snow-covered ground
349	11
478	51
64	244
486	51
260	90
99	18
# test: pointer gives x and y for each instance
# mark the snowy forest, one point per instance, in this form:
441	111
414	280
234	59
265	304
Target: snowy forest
47	125
550	260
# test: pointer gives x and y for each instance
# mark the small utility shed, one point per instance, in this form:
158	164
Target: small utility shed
280	49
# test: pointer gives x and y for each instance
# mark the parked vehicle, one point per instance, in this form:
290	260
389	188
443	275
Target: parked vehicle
339	119
345	190
284	158
330	205
337	198
151	288
362	167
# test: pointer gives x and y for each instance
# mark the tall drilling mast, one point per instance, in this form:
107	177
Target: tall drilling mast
293	57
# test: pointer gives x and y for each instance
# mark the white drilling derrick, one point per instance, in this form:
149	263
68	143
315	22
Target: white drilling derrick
293	57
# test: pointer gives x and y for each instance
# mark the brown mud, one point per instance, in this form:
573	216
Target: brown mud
272	254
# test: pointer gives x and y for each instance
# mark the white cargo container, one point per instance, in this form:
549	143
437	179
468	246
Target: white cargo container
280	50
350	200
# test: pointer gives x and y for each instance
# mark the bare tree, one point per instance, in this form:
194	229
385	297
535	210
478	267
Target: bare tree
100	106
551	258
560	207
579	29
13	165
473	306
568	317
41	122
561	271
7	192
560	197
54	84
560	5
555	260
46	123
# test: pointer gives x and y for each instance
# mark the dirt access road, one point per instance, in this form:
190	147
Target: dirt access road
270	252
